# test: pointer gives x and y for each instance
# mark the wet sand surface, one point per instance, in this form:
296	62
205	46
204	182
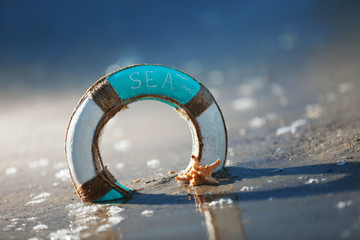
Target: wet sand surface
291	107
293	170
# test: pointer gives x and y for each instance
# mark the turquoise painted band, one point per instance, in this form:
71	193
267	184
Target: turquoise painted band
154	80
112	194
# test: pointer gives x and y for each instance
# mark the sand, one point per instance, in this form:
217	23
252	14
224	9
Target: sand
292	172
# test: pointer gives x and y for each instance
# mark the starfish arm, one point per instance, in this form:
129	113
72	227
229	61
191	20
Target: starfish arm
212	181
183	178
195	181
213	166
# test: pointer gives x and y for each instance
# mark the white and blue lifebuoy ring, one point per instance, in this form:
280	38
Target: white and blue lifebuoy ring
112	93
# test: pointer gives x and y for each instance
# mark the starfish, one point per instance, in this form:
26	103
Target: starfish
199	174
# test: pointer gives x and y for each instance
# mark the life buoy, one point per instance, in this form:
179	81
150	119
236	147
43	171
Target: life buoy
112	93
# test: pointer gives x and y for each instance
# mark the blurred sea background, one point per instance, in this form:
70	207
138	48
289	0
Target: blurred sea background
57	46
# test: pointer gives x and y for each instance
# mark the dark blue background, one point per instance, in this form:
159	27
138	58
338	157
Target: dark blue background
60	44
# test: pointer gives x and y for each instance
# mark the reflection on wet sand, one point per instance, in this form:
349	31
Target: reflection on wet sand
221	213
91	220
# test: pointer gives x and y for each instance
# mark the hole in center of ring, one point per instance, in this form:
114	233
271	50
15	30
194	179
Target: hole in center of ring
149	139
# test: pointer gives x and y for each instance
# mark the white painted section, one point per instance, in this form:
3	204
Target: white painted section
213	136
79	141
194	136
195	139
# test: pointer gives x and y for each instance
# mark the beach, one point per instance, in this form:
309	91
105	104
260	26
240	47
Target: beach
290	104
